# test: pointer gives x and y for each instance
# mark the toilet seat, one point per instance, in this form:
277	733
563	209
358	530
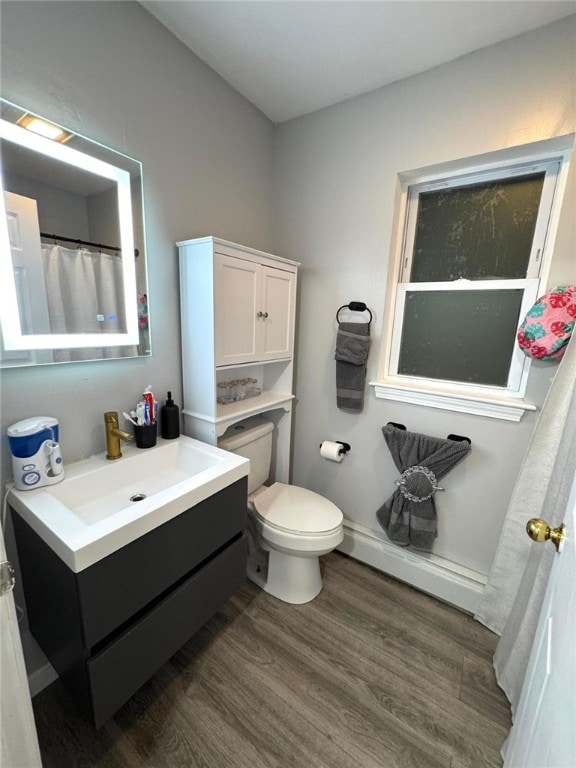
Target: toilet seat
295	510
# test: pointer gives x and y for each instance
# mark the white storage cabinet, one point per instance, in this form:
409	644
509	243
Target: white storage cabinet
237	320
254	311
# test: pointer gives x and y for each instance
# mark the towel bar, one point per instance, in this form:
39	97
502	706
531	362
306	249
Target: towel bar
456	438
460	438
354	306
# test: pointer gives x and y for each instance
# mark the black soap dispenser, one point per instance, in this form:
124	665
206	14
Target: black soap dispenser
170	419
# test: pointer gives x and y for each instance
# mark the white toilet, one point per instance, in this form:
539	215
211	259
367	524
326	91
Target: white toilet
288	527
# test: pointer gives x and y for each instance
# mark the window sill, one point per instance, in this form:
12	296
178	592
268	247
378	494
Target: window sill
508	409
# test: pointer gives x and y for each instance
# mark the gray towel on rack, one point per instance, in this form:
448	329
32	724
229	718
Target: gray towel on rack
414	522
352	345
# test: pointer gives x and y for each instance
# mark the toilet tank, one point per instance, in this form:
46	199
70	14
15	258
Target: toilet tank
251	439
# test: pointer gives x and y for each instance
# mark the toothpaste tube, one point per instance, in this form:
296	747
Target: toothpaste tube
150	413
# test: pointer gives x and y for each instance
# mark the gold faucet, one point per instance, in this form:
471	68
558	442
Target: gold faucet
113	436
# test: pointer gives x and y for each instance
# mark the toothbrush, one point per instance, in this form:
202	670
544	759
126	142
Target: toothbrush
140	417
129	418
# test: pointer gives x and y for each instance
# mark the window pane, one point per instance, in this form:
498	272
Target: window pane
464	336
476	232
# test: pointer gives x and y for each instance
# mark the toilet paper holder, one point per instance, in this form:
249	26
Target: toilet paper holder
345	446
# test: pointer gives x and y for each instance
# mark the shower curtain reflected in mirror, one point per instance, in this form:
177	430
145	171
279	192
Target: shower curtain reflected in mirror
85	295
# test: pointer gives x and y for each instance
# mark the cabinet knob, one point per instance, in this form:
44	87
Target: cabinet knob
262	314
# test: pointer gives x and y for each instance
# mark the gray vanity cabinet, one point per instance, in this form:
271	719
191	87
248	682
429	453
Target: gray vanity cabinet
109	627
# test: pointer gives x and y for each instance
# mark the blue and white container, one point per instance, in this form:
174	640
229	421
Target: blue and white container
36	456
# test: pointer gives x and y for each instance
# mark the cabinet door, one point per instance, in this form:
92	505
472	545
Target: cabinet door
237	298
121	667
277	326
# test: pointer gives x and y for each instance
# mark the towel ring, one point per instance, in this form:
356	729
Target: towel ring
354	306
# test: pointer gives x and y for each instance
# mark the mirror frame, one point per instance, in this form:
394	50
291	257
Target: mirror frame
14	339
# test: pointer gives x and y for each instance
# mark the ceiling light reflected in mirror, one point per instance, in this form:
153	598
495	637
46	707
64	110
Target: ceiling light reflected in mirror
44	128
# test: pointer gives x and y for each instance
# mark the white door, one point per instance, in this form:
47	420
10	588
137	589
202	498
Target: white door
278	300
18	740
544	730
237	299
26	251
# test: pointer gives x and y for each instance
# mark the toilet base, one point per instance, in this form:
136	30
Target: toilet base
290	578
257	568
287	574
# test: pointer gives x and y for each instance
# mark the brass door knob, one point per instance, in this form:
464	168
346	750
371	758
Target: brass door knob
540	531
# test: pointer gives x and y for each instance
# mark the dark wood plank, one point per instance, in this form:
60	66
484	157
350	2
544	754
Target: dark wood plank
401	704
306	675
480	690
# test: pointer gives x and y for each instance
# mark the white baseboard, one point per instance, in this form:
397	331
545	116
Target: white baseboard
434	575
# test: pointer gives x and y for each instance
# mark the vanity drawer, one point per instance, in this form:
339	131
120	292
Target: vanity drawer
116	672
125	582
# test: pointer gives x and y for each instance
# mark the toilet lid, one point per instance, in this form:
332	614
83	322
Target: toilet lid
291	508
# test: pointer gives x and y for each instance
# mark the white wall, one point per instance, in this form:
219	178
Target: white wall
111	72
58	211
335	180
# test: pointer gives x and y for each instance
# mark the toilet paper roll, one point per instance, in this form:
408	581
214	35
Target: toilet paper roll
331	451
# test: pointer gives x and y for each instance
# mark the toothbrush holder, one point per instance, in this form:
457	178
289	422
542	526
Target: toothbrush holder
145	435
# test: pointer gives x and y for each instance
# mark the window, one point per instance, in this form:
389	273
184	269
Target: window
472	256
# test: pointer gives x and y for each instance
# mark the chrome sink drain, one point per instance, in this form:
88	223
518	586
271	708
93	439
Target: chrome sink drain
138	497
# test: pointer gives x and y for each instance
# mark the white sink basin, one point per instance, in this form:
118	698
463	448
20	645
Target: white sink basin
103	505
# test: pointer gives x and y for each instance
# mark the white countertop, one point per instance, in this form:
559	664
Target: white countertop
89	514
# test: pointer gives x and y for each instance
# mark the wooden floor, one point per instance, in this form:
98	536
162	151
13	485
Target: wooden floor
371	674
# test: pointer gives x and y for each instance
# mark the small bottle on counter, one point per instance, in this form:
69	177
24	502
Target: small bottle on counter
170	419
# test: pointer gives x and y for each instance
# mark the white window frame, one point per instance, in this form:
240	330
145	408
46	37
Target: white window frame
520	364
507	402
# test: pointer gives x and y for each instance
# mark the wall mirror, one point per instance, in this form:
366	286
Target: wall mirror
73	283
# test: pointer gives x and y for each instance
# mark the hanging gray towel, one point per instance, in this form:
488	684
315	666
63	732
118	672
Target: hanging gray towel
352	345
409	515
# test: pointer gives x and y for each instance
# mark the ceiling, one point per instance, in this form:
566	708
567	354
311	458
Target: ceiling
290	58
